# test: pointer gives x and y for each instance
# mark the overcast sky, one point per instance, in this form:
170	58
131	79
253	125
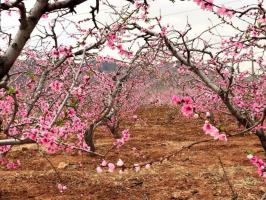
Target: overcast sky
175	14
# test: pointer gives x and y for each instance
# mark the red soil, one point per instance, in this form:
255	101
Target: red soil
194	173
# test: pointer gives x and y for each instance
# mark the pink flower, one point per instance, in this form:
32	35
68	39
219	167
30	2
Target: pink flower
104	163
215	133
176	99
198	1
249	156
207	4
56	86
13	165
125	135
135	117
120	163
163	31
262	20
111	167
99	170
147	166
55	53
61	187
5	148
222	137
86	78
196	116
259	163
187	100
187	110
136	167
208	128
224	11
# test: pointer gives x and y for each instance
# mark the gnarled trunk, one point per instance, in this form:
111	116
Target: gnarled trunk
114	130
261	135
88	136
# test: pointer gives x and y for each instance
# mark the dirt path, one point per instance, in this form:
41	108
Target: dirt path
194	173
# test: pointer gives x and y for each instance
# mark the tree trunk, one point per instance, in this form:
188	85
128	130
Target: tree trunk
114	130
89	138
262	137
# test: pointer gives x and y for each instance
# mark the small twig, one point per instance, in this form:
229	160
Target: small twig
167	157
55	170
234	194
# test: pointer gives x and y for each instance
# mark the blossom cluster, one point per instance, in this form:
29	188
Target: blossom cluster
61	51
259	163
213	131
61	187
125	137
209	5
187	108
111	166
120	164
9	164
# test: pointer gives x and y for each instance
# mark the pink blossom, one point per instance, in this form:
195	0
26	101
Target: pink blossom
198	1
135	117
213	131
120	163
207	4
86	78
262	20
259	163
111	167
176	99
99	170
5	148
207	127
61	187
222	137
147	166
249	156
55	52
13	165
104	163
196	116
187	110
163	31
224	11
125	135
56	86
187	100
136	167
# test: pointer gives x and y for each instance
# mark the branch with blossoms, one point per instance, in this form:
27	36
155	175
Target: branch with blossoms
147	164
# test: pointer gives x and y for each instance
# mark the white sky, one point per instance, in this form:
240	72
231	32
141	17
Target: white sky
175	14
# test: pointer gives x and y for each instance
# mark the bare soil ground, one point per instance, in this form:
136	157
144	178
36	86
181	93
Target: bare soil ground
194	173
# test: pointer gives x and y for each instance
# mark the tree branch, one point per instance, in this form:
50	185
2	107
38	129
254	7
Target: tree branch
63	4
